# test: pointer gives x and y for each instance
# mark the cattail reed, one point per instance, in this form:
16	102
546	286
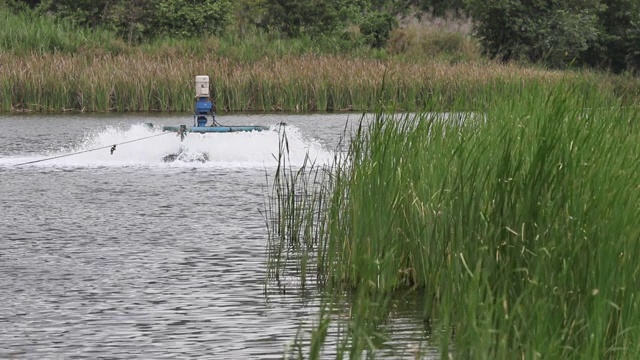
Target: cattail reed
518	225
142	82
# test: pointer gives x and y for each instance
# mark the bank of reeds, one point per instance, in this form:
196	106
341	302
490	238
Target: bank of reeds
519	225
143	82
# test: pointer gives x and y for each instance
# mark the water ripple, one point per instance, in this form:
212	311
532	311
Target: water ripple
122	262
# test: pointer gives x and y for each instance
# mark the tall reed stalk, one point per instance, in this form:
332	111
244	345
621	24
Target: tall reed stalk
519	225
143	82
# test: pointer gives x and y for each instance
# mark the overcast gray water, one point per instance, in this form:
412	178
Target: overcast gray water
125	256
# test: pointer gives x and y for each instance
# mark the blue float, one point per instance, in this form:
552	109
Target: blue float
215	129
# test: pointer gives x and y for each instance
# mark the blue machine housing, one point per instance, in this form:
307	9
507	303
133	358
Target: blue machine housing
203	108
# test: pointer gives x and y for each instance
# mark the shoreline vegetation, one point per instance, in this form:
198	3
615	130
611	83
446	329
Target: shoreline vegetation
48	66
308	83
519	229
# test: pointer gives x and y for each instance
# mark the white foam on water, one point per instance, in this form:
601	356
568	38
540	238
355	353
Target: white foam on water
139	145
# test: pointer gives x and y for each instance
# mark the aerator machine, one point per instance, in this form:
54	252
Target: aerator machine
203	109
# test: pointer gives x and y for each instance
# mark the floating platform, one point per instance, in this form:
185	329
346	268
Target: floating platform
216	129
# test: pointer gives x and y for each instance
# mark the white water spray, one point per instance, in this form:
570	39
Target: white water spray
239	149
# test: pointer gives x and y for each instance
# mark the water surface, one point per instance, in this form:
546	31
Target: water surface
125	256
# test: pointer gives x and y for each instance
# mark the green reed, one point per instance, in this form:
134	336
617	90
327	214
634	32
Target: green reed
518	224
28	32
140	81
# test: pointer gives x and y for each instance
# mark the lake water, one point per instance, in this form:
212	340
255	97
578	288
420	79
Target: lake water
125	256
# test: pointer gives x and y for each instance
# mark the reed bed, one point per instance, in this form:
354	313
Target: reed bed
143	82
518	225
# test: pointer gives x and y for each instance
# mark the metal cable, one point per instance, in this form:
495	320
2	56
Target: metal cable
85	151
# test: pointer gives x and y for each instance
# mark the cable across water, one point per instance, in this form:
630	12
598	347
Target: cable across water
112	147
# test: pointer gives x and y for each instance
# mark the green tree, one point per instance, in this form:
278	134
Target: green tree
296	17
130	19
91	13
633	58
376	28
135	20
249	13
618	47
126	17
556	32
19	5
439	7
31	3
597	33
187	18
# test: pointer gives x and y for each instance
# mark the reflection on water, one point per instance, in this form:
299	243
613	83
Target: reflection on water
126	256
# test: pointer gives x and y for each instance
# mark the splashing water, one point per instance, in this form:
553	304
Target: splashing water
238	149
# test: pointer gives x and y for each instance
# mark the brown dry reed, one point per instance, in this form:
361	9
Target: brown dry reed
164	82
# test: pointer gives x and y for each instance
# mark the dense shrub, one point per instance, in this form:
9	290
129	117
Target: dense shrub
376	28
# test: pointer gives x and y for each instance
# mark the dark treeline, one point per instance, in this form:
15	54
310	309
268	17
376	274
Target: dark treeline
595	33
601	34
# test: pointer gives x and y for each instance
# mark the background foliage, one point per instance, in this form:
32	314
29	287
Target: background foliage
558	33
137	20
600	34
